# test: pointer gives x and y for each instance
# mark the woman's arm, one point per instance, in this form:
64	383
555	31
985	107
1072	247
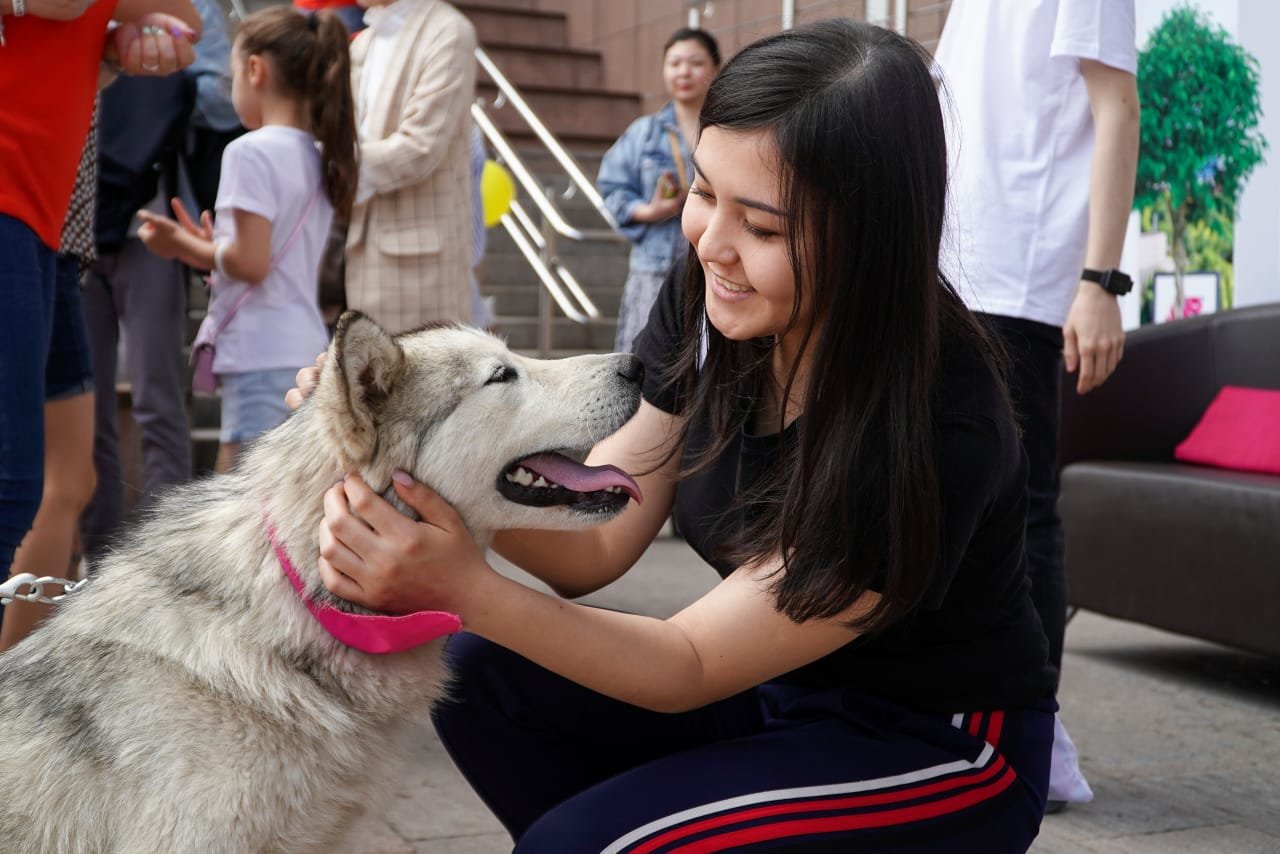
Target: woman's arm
731	639
52	10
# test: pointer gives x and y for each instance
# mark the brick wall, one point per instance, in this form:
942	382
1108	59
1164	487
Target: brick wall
630	33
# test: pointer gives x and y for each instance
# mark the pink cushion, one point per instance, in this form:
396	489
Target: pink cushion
1240	430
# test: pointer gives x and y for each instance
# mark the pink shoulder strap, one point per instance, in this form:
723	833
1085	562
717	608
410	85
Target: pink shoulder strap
275	260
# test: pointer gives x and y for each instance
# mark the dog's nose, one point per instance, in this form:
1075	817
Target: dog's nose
631	370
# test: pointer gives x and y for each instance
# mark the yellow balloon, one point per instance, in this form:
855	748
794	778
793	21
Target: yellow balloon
497	190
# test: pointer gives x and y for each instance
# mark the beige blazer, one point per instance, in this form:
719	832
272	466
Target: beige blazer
409	246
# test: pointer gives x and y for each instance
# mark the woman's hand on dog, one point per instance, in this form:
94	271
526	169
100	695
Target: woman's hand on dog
375	556
305	380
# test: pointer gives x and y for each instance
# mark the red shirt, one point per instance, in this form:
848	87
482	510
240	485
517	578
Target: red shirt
48	78
315	5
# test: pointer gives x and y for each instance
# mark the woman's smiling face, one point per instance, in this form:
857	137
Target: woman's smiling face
734	220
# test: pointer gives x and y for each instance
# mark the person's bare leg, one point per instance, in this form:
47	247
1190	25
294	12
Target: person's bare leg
68	485
227	453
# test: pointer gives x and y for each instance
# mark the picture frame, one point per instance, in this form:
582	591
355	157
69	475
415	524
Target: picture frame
1201	295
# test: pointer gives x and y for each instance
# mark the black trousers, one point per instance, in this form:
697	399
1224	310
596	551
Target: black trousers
1035	382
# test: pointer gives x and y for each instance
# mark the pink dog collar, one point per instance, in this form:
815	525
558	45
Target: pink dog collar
378	634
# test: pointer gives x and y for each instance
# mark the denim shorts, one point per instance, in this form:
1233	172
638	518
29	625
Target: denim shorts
253	402
68	370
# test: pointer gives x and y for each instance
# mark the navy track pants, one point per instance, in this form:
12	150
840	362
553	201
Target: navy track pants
781	768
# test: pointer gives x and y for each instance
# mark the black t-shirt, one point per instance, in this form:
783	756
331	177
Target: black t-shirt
975	642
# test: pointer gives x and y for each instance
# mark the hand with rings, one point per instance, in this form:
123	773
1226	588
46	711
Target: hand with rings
154	45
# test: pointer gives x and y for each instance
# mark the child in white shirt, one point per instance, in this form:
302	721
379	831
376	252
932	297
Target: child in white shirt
281	184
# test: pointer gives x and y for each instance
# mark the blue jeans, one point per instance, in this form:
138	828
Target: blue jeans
253	402
27	287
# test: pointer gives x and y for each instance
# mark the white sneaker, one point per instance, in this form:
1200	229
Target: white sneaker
1066	783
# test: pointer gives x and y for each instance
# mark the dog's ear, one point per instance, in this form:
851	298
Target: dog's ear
368	363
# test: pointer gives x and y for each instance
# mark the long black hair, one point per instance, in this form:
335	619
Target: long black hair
853	503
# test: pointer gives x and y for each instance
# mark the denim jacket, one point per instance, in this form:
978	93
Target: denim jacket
629	174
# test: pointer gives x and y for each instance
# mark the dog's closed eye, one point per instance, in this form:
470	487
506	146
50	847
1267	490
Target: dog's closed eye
502	374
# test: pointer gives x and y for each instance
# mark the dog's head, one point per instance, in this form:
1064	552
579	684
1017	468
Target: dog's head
501	437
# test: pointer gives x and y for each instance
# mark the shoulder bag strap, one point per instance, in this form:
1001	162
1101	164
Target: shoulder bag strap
679	159
284	250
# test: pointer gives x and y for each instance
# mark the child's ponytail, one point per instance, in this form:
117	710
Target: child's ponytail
333	110
312	63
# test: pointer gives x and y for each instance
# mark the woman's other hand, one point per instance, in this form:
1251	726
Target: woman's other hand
306	382
374	556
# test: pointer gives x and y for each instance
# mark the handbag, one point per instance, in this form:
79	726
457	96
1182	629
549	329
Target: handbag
204	349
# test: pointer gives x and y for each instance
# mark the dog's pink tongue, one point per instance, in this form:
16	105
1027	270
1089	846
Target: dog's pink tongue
581	478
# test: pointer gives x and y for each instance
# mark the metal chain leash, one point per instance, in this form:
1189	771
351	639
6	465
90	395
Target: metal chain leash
26	587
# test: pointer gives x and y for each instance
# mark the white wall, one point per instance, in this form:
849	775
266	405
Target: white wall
1254	24
1257	256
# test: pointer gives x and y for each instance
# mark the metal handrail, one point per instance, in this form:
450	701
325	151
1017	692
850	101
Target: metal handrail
536	241
566	161
545	274
525	178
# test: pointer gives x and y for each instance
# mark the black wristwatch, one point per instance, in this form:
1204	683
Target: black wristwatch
1111	281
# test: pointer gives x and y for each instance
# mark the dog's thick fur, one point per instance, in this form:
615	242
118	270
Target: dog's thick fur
185	700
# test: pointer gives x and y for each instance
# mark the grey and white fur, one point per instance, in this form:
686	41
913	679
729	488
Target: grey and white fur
185	700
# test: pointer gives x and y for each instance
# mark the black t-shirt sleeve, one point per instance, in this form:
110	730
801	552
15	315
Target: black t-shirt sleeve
658	343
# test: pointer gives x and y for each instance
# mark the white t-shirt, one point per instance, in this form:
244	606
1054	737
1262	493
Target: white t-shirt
1020	145
273	172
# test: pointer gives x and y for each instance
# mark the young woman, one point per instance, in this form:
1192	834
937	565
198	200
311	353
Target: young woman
276	199
831	427
644	177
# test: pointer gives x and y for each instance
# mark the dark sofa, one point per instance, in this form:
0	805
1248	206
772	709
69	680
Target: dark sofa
1185	548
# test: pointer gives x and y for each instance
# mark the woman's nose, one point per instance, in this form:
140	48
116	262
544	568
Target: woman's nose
713	244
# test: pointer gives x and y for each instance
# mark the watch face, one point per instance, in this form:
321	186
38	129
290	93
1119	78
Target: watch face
1117	282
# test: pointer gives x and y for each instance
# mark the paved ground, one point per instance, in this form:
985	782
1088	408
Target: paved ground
1179	739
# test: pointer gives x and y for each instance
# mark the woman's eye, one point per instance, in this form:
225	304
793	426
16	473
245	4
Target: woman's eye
755	231
702	194
502	374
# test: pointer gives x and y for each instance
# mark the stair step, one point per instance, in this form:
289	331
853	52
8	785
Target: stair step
515	25
538	65
584	117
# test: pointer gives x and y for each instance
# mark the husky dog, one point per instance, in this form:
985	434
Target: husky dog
186	699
